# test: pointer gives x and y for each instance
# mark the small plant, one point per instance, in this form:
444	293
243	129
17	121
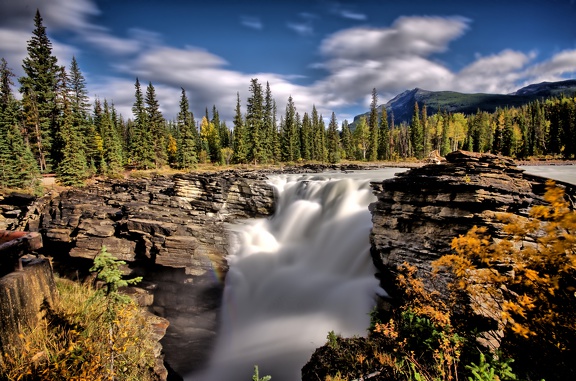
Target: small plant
107	269
332	340
256	376
491	370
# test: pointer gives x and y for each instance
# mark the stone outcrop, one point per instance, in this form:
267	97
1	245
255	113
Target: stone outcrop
169	229
419	211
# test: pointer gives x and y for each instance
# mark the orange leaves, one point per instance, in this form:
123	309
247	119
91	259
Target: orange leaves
524	271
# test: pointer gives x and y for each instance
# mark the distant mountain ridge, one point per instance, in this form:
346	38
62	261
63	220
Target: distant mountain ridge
402	105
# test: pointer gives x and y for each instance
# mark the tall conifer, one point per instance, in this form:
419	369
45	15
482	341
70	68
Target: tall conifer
38	97
187	154
373	128
333	141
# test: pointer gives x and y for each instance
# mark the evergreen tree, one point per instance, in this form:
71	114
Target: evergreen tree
79	103
289	134
347	143
269	127
112	142
38	94
255	123
384	137
187	158
240	139
156	124
333	141
425	131
361	138
72	169
141	149
445	140
306	137
18	168
373	128
416	133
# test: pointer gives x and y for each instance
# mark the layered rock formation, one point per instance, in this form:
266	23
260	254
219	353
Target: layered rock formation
419	211
170	230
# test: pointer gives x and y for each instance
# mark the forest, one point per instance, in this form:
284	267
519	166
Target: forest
53	128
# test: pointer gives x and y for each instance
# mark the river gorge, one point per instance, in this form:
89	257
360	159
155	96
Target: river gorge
257	268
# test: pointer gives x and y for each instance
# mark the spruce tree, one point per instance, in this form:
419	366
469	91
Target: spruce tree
38	94
157	127
347	143
384	137
416	133
142	154
18	168
306	137
289	133
333	141
373	128
113	153
72	169
269	127
361	138
240	155
187	157
255	123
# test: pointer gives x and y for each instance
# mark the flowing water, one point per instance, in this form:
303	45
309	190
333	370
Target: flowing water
301	273
296	276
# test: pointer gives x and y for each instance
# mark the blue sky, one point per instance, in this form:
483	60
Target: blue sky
322	52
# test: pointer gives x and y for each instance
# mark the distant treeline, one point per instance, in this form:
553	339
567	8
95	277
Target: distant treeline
54	129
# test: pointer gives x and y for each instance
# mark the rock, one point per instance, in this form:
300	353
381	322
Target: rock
420	211
21	296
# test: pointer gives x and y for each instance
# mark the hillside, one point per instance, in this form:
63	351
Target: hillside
402	105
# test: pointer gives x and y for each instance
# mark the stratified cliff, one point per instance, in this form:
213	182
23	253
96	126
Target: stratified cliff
420	211
170	230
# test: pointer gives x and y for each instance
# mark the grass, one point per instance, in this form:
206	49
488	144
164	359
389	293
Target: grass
83	336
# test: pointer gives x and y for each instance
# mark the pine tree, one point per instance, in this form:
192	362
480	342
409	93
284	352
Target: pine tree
289	133
416	133
347	143
269	127
141	149
72	169
18	168
113	154
80	106
425	131
333	141
384	137
306	137
187	157
255	123
156	126
240	139
38	96
373	128
445	143
361	138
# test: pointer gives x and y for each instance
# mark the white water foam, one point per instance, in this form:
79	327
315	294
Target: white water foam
294	277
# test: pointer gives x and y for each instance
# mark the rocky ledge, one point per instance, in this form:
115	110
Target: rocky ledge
419	211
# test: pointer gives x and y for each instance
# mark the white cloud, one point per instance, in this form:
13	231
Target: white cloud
353	15
251	22
303	29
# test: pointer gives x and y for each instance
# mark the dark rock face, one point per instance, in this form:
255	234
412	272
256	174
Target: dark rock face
170	230
419	212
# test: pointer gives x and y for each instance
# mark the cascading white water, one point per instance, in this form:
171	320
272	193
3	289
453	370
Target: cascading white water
294	277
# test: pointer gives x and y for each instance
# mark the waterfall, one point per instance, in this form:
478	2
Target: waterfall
294	277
